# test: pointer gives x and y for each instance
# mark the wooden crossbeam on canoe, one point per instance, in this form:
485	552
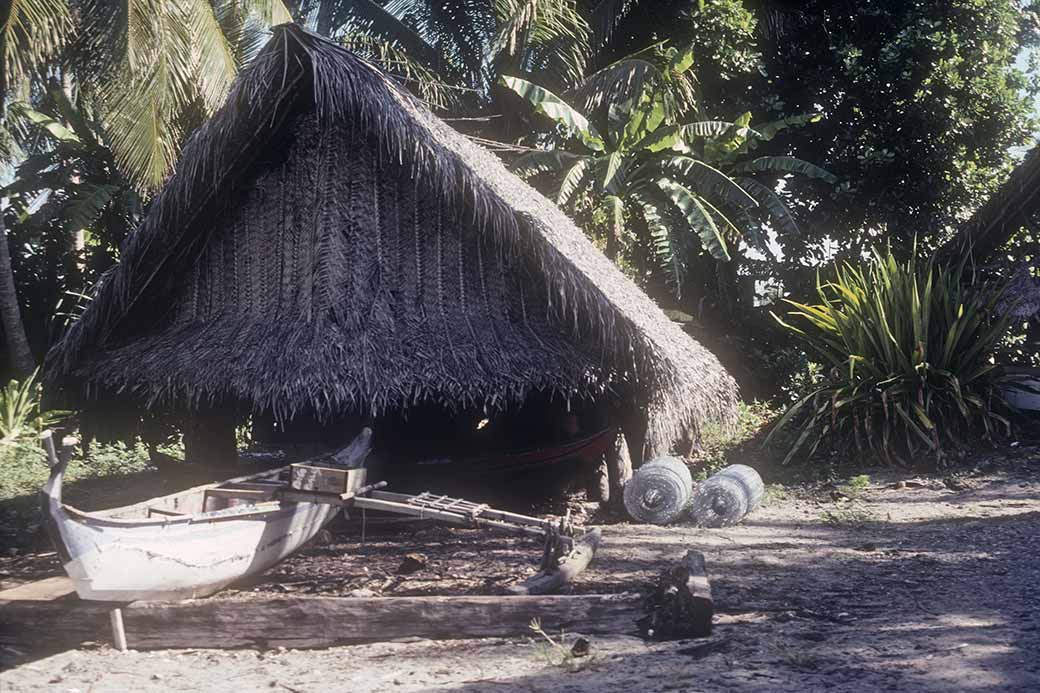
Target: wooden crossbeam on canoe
348	498
164	513
241	494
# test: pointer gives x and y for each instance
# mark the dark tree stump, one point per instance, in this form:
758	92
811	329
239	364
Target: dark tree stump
681	606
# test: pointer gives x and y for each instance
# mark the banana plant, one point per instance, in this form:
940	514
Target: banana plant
691	187
68	186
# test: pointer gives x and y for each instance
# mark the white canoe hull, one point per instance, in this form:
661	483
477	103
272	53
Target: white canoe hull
181	560
129	554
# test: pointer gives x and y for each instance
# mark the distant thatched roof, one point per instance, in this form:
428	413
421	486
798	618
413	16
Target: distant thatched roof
328	244
1015	205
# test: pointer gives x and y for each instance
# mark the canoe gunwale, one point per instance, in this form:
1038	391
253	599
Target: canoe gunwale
145	505
248	512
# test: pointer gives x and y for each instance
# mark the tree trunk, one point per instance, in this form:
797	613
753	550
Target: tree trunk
22	361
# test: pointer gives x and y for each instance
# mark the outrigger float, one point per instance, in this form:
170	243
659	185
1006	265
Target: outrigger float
196	542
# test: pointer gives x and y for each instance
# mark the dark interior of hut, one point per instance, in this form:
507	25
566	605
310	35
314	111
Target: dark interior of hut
546	444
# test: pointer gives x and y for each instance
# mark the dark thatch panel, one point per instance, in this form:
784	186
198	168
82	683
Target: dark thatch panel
328	244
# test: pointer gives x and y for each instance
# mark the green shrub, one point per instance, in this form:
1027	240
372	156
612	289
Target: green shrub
116	459
718	442
21	414
24	468
906	350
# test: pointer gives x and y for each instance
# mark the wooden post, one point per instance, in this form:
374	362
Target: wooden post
619	468
633	426
118	631
597	481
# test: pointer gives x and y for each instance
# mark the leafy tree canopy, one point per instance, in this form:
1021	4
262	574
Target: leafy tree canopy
922	104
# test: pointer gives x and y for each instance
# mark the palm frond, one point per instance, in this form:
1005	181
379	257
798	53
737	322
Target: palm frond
270	12
397	61
542	35
387	23
606	15
59	131
573	180
175	55
668	246
768	131
625	79
534	163
212	62
34	31
246	32
87	203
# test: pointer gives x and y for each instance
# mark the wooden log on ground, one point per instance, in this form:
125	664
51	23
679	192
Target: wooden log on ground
681	606
311	621
568	568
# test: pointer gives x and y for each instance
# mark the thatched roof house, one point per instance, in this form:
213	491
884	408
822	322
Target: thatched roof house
326	244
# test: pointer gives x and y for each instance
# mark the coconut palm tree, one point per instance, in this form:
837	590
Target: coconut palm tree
31	32
150	69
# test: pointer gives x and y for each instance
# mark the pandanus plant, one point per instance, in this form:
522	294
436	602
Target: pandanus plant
692	186
907	349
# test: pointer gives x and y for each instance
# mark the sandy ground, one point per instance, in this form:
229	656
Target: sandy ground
912	584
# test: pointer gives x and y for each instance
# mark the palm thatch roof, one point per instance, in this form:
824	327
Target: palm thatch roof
327	244
1014	206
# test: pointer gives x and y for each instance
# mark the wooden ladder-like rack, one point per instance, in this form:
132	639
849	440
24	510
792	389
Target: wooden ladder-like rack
456	511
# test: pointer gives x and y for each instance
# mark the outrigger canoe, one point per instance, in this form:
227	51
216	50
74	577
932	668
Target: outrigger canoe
180	546
184	545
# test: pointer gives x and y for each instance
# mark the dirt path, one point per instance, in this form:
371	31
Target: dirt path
912	585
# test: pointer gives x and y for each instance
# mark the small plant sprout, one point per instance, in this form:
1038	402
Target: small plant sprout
856	486
556	653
